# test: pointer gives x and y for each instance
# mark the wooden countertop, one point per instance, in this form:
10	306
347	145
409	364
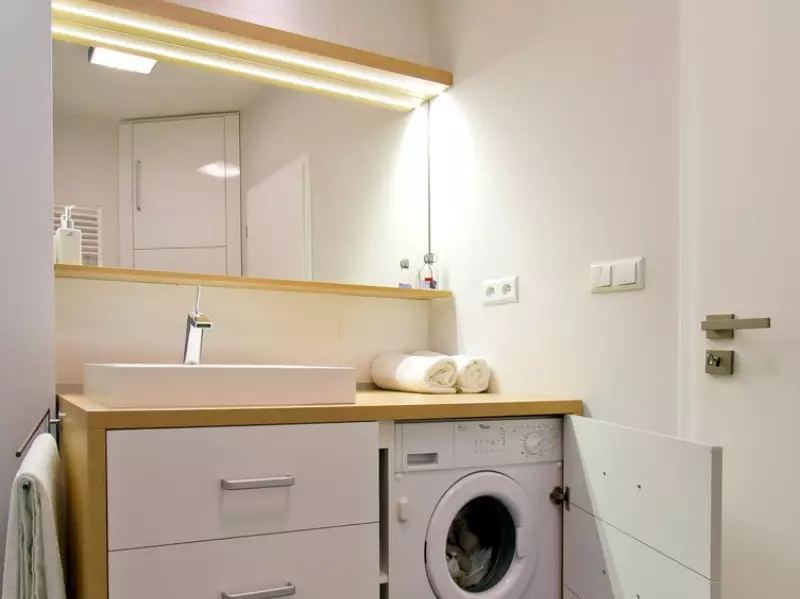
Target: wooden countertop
370	405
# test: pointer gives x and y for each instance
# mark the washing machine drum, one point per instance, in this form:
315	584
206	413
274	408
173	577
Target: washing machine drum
480	539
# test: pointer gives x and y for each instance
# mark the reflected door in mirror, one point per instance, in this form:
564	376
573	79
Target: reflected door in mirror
279	225
179	188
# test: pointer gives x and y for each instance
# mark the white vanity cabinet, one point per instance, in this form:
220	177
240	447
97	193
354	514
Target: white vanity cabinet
179	194
252	502
197	512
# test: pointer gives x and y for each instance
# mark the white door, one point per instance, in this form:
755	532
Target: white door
278	220
740	242
644	514
179	200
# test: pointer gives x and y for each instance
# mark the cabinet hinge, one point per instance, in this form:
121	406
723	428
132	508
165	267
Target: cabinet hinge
560	496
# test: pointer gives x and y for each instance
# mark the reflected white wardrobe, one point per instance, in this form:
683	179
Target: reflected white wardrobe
179	194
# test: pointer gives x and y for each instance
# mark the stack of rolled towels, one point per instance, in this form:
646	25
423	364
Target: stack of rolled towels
431	372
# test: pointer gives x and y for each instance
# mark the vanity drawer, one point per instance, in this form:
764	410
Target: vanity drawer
316	564
178	485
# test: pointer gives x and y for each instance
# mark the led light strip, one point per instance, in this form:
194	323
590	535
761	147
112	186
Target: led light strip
259	71
401	83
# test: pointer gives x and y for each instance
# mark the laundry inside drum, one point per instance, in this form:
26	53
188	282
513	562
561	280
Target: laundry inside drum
481	544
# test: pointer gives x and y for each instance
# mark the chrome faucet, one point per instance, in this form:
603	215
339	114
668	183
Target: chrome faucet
196	323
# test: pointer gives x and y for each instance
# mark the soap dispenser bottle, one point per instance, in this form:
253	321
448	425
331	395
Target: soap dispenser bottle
68	241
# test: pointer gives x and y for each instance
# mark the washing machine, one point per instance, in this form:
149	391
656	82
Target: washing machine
469	510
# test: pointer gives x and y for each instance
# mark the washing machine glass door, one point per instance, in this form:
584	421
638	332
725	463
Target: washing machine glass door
480	539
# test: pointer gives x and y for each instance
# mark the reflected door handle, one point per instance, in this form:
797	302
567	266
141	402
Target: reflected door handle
722	326
138	185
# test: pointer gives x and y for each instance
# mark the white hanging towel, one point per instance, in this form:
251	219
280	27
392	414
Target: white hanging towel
473	374
416	374
34	567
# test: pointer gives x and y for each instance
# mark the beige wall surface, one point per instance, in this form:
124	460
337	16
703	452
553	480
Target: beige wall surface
108	321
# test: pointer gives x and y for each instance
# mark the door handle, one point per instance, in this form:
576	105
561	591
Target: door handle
285	591
722	326
138	184
272	482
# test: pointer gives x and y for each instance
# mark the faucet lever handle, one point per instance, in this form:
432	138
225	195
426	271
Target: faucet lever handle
197	300
199	321
196	323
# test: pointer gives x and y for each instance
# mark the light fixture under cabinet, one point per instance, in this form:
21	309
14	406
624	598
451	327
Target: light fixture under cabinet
252	70
175	32
123	61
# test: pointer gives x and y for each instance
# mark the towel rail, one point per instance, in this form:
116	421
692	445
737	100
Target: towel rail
46	418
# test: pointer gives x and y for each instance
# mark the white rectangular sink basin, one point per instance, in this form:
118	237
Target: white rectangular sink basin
205	385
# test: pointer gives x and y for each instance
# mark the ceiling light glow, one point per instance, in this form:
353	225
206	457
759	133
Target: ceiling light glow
264	72
423	89
123	61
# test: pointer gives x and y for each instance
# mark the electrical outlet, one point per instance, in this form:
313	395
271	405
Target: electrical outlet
500	291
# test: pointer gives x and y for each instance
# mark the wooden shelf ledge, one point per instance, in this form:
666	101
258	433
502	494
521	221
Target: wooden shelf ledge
104	273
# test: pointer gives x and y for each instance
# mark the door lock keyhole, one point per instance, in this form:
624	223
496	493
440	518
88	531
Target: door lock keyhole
719	361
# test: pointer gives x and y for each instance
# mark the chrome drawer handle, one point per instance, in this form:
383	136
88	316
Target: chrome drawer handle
258	483
286	591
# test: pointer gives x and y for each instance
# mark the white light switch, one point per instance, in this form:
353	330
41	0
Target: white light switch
618	275
601	276
624	273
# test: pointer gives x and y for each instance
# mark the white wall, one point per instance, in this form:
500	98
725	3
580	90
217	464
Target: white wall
557	147
740	209
26	204
396	28
368	171
86	166
665	129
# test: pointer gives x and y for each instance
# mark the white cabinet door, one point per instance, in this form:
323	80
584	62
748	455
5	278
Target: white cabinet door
178	203
644	517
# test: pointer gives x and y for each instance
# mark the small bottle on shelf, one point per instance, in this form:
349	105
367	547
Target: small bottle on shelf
405	274
428	275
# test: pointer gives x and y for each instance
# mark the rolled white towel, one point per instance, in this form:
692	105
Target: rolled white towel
417	374
473	374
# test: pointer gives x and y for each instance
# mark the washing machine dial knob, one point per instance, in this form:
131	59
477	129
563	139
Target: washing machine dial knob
534	443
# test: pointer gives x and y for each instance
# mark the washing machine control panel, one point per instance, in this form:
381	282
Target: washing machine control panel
487	442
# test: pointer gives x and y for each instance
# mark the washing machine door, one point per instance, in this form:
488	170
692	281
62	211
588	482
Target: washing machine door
480	539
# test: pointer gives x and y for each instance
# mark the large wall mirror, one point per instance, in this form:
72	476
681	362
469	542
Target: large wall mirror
178	168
